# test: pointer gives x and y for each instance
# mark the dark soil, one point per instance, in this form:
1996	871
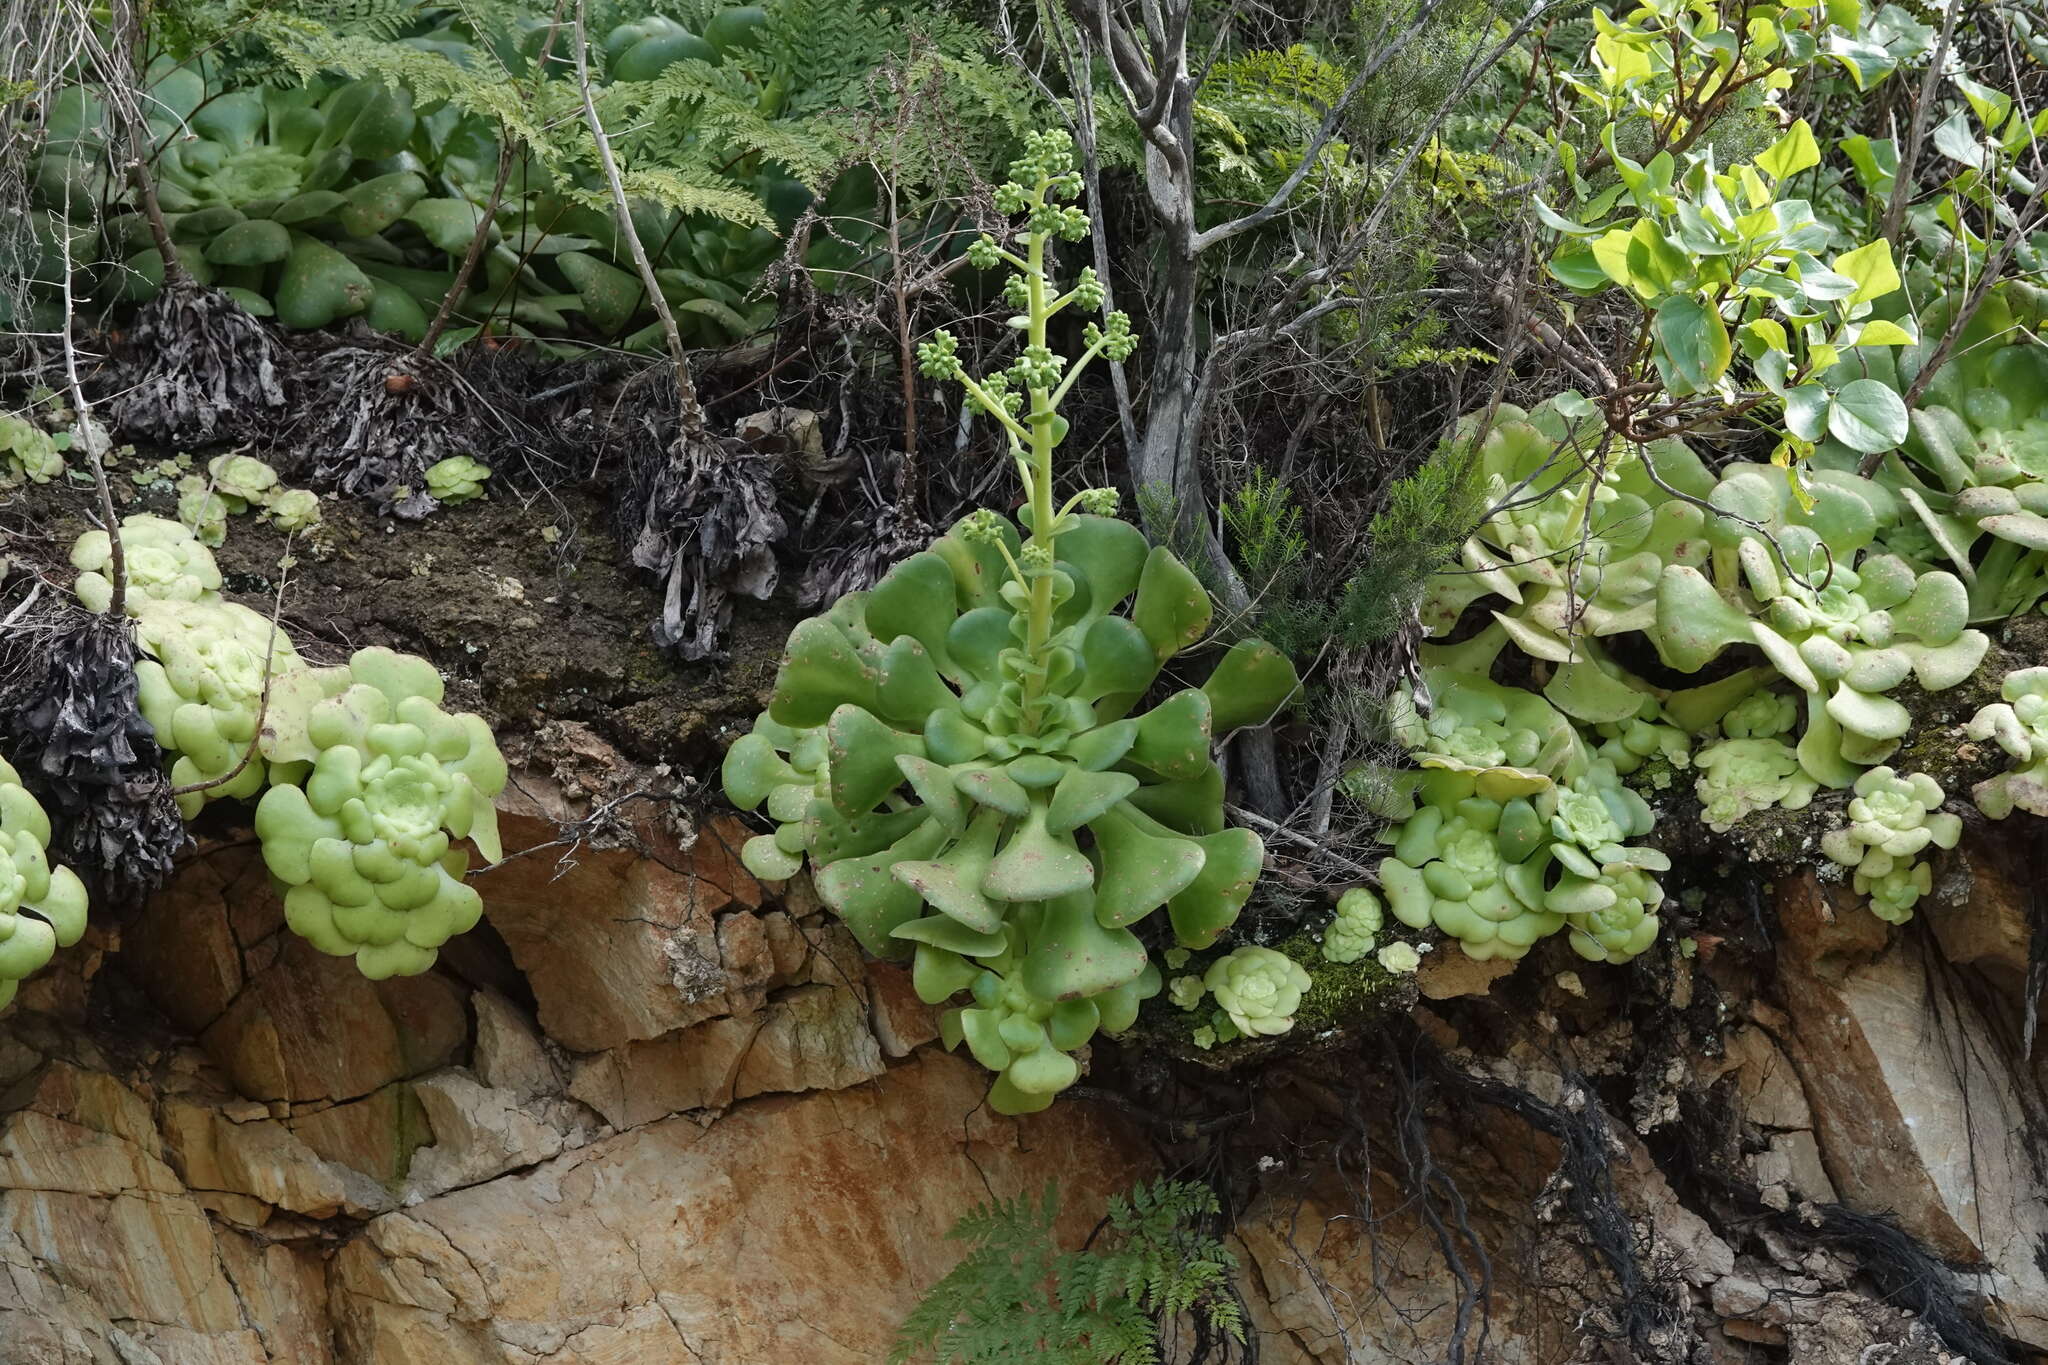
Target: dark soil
527	630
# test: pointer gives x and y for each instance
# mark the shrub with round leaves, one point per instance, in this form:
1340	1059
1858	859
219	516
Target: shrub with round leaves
42	908
366	848
1891	820
165	562
1258	990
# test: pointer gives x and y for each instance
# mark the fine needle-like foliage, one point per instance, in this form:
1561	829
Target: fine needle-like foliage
1015	1298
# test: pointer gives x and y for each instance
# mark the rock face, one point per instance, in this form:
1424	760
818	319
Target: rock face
657	1112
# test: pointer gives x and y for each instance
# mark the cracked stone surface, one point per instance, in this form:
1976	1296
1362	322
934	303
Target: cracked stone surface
658	1112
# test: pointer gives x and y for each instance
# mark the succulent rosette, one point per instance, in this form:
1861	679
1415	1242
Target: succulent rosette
367	848
165	563
1891	820
1359	918
1258	989
201	686
1739	777
457	479
2019	725
42	908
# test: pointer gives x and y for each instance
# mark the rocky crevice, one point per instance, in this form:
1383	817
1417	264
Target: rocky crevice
661	1112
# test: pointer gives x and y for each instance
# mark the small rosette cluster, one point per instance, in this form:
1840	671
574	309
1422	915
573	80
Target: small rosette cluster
42	908
367	847
1500	855
1752	768
205	663
366	850
987	802
1257	989
2018	725
1891	820
1352	932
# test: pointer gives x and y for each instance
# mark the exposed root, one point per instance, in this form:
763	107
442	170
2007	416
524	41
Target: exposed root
858	561
92	760
708	530
376	419
194	369
1649	1310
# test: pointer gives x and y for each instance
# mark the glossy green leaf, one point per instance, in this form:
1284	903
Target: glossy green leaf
1867	417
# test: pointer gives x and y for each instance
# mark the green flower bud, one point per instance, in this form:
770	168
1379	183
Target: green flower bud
980	527
939	358
983	254
1037	368
1088	291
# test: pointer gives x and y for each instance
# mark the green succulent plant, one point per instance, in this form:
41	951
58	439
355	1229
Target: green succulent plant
457	479
1454	858
42	908
2019	725
165	563
242	480
202	681
1502	858
1400	958
1739	777
202	509
935	748
1350	935
1972	476
1580	531
27	452
366	848
1764	714
1013	1027
1257	989
1844	629
293	510
1630	743
1474	723
1603	889
1891	820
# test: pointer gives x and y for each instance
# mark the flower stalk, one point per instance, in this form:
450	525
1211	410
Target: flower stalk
1024	399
